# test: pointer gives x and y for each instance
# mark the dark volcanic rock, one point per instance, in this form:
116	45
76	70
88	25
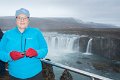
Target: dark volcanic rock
108	47
115	67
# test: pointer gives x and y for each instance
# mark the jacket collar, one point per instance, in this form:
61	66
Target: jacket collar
24	30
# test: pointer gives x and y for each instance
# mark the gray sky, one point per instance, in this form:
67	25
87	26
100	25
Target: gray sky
100	11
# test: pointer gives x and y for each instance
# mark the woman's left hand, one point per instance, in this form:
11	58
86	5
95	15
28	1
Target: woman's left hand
31	52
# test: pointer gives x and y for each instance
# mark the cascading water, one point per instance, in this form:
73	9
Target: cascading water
64	43
88	49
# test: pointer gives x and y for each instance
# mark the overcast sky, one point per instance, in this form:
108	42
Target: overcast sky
100	11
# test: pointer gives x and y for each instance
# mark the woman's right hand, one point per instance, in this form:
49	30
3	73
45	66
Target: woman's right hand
15	55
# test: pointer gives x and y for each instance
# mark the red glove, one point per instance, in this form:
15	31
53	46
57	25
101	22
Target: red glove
16	55
31	52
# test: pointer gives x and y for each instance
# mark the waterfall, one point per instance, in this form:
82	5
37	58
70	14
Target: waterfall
65	43
88	49
89	46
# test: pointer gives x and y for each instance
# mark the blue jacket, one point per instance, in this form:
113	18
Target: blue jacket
14	40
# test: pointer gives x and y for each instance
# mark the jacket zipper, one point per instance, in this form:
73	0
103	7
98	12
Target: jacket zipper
25	45
21	42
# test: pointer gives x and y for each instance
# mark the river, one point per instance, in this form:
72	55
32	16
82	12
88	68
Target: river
64	49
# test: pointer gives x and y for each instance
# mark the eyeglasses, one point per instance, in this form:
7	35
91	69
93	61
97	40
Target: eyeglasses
22	18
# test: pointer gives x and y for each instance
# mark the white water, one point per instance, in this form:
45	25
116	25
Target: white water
88	50
64	43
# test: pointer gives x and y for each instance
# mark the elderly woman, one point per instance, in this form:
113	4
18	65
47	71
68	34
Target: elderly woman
23	47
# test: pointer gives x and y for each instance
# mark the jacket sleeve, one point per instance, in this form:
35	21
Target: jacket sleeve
43	49
4	55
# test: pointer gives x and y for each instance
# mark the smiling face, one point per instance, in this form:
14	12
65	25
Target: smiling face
22	21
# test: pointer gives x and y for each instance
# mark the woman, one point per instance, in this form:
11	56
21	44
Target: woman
22	47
